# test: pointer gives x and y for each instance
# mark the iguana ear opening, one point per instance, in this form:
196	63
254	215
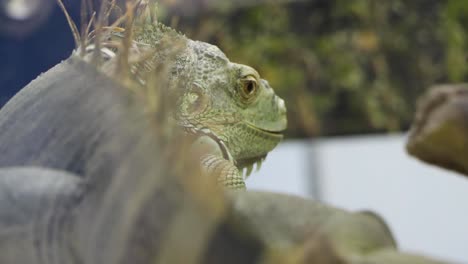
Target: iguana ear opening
193	102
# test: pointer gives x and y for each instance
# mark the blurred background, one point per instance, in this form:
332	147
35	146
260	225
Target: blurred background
350	71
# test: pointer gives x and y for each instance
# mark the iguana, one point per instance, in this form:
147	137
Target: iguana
231	114
89	173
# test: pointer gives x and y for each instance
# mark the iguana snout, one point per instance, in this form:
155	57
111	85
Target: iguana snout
262	116
271	111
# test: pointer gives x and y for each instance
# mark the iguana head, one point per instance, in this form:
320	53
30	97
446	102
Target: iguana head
231	102
228	102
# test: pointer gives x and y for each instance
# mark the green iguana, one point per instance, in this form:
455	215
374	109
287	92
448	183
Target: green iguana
232	115
93	169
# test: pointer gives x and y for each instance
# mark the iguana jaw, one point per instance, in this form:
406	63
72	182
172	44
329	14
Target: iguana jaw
245	164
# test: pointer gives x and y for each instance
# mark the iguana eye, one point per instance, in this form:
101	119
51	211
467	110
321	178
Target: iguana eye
249	87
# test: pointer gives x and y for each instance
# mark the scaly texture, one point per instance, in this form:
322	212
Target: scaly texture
233	115
93	179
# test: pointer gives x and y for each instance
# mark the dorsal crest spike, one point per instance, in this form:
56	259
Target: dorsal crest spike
74	29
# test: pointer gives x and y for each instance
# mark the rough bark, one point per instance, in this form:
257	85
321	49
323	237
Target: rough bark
439	134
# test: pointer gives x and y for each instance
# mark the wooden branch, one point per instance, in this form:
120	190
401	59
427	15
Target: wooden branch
439	134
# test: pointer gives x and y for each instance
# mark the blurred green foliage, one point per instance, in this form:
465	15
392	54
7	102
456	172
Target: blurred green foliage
343	66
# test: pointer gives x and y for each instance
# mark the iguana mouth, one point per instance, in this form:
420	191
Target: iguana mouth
276	133
273	133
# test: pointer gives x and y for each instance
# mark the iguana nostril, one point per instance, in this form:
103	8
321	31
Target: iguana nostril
281	105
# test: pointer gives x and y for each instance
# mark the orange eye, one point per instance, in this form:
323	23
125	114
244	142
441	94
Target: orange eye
249	87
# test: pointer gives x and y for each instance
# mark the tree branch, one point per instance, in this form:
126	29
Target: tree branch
439	134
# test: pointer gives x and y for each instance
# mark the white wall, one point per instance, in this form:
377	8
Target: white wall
285	170
426	207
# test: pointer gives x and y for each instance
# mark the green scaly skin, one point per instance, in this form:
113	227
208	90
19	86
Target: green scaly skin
234	114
